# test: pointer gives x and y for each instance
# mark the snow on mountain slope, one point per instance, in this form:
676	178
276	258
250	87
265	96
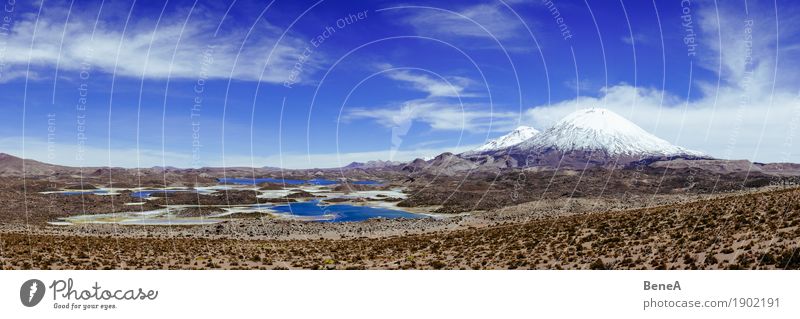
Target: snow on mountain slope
598	129
518	135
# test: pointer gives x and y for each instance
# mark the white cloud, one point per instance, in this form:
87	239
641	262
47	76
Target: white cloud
472	22
151	53
452	86
443	109
439	115
585	85
638	39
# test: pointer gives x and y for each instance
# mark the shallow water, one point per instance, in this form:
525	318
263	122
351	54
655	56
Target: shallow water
147	193
307	211
367	183
315	210
254	181
341	212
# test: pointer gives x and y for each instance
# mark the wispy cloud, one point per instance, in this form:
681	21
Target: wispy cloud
448	107
142	50
584	85
439	115
477	21
451	86
638	39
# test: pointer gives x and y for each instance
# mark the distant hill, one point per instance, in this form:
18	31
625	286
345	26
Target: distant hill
13	166
518	135
374	164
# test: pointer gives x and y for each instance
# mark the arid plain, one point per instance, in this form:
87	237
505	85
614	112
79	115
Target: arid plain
636	217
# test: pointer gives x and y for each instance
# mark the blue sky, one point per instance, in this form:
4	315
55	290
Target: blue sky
320	84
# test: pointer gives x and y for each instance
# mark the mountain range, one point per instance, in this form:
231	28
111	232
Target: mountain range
518	135
587	137
593	137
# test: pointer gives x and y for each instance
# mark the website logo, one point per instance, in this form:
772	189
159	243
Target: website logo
31	292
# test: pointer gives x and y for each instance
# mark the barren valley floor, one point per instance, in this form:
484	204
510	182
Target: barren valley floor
747	230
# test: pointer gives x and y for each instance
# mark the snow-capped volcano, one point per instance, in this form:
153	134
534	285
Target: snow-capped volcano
601	130
518	135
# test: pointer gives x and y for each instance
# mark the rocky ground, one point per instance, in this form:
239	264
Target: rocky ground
756	229
487	191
